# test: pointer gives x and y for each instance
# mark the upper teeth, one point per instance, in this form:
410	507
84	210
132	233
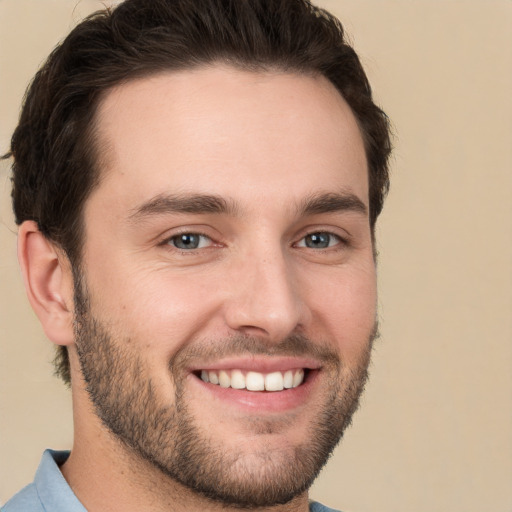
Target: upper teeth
254	381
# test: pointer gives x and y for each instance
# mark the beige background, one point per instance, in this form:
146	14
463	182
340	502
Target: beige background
435	430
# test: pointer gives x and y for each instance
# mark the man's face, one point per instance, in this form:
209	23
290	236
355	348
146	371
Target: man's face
227	306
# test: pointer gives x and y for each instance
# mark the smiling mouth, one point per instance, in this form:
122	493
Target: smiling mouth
254	381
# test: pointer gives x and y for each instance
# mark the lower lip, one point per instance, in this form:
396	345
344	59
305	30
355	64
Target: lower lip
261	401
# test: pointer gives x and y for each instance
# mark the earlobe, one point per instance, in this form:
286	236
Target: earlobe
48	283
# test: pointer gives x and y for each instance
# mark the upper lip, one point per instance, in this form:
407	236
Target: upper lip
261	364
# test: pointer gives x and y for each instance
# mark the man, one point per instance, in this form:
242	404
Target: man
197	184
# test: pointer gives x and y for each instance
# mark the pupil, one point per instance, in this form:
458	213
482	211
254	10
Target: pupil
317	240
187	241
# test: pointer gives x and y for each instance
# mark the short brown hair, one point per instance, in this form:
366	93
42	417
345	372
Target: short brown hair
55	153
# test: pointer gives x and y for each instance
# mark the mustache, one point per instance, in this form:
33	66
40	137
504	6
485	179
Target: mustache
295	345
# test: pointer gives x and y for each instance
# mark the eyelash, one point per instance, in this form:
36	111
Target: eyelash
319	235
169	241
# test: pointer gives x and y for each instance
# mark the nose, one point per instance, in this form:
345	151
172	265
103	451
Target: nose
265	299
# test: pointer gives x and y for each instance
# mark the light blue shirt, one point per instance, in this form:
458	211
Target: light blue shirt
49	492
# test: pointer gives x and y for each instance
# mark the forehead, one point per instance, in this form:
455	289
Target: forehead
223	131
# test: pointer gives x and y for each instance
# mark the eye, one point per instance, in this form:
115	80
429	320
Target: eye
188	241
319	240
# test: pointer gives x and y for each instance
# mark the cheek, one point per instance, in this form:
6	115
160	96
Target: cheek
158	309
344	308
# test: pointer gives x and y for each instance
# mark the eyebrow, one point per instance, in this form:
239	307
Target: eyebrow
204	203
332	202
183	203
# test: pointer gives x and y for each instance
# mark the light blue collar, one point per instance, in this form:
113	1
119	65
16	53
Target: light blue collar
52	488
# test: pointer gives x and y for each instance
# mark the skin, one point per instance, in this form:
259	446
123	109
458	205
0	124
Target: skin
214	131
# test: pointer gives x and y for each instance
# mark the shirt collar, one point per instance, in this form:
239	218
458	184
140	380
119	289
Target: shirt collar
52	488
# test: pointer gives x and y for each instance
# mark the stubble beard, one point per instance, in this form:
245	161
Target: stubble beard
169	438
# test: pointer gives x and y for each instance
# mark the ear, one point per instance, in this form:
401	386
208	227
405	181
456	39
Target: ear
48	282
